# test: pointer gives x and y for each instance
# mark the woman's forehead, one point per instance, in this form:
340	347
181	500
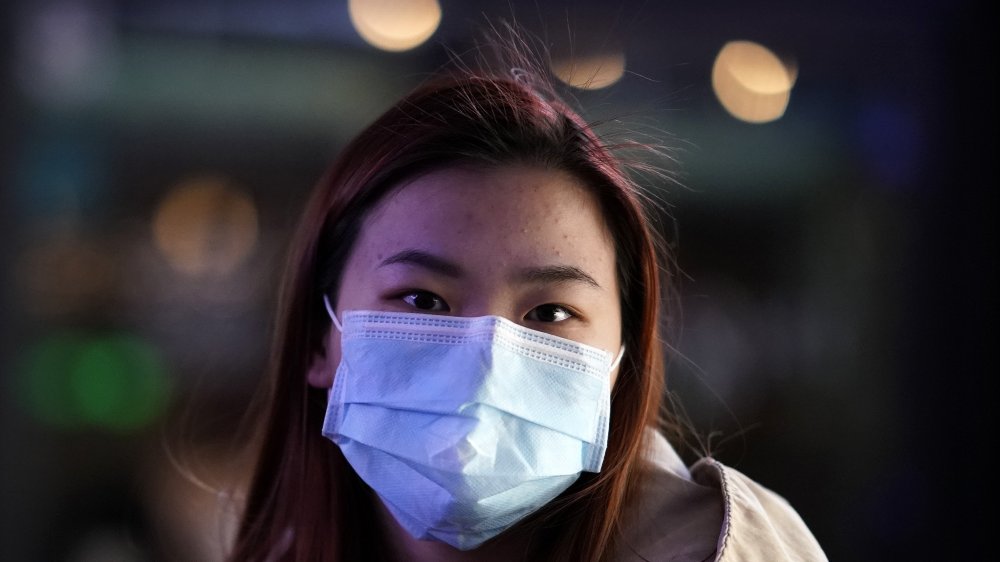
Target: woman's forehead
494	198
516	215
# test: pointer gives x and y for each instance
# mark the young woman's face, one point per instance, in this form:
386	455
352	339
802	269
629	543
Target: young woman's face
524	243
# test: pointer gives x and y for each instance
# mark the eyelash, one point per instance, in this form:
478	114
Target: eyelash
411	298
557	308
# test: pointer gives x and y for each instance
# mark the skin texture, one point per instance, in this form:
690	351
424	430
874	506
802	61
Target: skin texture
525	243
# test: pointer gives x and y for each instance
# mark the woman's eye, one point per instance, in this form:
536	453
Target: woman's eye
549	313
424	300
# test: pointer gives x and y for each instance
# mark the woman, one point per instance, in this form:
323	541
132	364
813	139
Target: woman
467	362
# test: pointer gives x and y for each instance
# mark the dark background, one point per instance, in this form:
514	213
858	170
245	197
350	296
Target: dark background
835	321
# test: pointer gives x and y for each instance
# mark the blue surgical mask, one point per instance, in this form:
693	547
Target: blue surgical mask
464	426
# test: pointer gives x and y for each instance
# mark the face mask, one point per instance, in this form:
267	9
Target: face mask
464	426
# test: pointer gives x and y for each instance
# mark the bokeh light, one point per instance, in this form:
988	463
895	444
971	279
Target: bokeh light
42	270
395	25
590	72
76	381
66	52
206	226
751	82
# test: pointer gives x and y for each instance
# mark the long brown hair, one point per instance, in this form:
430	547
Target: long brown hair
305	502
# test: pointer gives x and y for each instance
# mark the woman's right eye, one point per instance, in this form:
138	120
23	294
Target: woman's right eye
425	300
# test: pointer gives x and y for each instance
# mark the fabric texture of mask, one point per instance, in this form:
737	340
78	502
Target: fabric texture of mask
464	426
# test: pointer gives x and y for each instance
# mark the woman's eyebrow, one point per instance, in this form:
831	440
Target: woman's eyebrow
425	260
556	274
543	274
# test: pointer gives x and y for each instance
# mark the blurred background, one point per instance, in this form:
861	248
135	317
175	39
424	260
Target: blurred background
834	226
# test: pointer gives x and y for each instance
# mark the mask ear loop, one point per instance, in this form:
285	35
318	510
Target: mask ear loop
621	353
333	316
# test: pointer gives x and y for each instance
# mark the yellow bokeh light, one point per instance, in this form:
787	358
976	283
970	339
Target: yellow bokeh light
590	72
751	82
395	25
205	227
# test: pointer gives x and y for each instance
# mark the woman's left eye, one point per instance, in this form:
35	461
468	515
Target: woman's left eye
426	301
549	313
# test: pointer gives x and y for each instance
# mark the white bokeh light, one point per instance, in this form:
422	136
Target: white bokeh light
395	25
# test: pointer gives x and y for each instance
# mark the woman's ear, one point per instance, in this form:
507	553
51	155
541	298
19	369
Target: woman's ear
324	364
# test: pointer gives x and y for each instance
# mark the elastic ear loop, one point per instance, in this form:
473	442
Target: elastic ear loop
621	353
333	316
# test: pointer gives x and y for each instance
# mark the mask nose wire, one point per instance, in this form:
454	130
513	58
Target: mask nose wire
333	316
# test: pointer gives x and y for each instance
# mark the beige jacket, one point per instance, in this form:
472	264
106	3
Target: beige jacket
710	512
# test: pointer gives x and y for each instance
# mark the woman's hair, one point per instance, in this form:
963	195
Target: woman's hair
305	502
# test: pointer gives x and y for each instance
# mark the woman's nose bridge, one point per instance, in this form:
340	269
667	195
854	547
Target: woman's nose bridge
492	303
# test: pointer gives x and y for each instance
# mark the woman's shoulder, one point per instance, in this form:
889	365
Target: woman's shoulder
758	524
710	511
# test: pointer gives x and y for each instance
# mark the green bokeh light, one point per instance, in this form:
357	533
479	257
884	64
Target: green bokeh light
114	382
